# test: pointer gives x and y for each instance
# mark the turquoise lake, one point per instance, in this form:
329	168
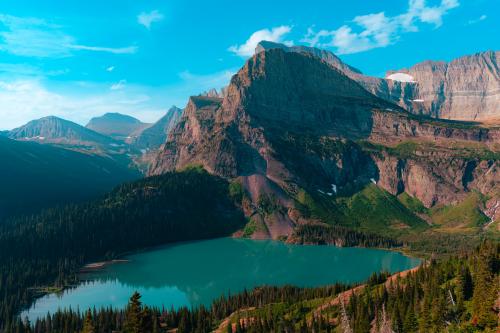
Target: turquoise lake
189	274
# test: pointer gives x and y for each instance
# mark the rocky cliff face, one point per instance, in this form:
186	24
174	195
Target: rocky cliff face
291	122
467	88
155	135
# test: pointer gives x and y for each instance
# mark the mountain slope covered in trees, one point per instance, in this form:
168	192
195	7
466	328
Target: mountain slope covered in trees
170	208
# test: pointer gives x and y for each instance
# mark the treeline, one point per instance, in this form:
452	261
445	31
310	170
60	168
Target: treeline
321	234
49	248
136	318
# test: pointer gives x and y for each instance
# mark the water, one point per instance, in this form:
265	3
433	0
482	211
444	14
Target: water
189	274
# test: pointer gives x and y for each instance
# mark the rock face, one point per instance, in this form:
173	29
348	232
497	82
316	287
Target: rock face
291	121
56	130
467	88
116	125
155	135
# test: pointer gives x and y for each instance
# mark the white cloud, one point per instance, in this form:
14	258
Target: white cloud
33	37
378	30
276	34
147	19
119	85
110	69
479	19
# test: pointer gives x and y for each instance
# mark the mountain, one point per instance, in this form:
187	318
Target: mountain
155	135
309	144
467	88
59	131
116	125
35	176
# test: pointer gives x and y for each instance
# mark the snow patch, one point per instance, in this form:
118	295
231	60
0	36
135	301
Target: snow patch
334	188
401	77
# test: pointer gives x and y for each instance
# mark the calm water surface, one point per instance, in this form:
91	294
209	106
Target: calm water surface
189	274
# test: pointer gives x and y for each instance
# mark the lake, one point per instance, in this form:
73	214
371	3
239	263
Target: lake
189	274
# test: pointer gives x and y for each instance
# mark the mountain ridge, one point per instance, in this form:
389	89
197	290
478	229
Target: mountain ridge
437	88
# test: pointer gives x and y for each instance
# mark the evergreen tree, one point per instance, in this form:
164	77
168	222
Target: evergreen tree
88	325
133	314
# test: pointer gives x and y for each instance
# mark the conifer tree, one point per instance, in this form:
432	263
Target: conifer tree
88	325
133	318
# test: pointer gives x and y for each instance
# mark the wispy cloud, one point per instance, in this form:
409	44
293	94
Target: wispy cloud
204	82
33	37
110	69
119	85
479	19
276	34
114	50
147	19
377	29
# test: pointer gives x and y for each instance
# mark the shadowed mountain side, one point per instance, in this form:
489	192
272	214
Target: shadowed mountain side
35	176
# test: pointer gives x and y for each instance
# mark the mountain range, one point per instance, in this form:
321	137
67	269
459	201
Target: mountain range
306	137
310	138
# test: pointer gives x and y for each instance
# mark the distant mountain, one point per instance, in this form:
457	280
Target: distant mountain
467	88
59	131
155	135
35	176
116	125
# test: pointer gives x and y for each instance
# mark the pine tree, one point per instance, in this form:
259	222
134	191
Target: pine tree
133	318
88	325
484	293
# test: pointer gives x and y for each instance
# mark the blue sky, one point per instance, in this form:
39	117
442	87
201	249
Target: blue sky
79	59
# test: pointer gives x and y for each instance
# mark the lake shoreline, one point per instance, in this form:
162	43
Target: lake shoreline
205	262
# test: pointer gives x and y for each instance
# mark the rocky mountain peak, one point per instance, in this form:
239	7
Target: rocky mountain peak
57	130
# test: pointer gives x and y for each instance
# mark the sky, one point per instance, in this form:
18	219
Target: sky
79	59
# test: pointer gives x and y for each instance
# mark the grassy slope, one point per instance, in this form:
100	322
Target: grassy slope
372	209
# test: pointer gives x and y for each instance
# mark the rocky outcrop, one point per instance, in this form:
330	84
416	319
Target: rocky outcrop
290	121
436	176
467	88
